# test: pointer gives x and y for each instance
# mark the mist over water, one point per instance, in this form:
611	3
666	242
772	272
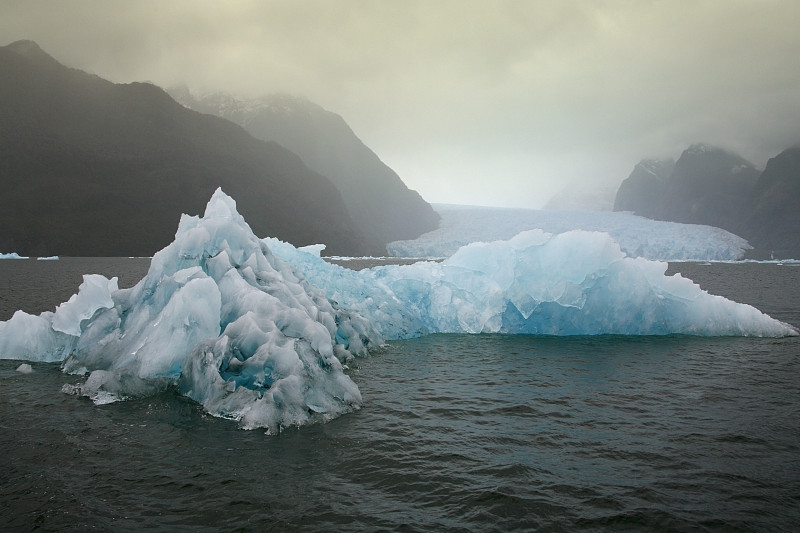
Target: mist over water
461	432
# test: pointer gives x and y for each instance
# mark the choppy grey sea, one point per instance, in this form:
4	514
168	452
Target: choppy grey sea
458	433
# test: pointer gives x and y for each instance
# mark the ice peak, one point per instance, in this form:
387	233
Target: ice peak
221	206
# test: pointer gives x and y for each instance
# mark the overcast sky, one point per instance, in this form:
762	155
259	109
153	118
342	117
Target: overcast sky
475	102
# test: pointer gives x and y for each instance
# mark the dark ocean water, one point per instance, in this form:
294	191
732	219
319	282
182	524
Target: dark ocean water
461	433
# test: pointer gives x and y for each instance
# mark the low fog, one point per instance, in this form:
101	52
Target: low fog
469	101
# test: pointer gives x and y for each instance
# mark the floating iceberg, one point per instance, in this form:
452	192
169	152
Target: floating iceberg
235	328
259	331
637	236
12	255
573	283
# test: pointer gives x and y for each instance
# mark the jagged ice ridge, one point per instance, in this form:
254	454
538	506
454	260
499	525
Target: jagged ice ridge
260	332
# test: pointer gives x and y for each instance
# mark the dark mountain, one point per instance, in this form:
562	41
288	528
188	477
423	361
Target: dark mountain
92	168
711	186
708	186
376	198
643	191
774	222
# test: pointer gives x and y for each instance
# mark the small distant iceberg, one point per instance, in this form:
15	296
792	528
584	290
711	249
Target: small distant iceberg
258	331
50	258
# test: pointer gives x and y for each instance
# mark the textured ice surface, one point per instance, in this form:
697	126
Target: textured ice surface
52	336
31	337
93	294
257	330
637	236
573	283
235	328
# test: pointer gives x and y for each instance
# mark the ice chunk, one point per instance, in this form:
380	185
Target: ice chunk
52	336
32	338
315	249
150	332
93	294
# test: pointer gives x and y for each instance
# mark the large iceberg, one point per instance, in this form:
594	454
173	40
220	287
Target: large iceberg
573	283
637	236
218	315
261	332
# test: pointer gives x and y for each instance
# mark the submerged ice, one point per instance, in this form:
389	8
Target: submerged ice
260	332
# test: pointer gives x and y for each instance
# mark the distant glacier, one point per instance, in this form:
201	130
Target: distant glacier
637	236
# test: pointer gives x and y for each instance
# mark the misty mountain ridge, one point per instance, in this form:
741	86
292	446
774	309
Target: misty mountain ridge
382	206
93	168
712	186
773	220
238	110
643	191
